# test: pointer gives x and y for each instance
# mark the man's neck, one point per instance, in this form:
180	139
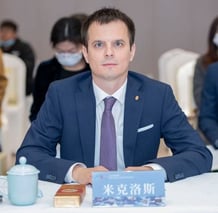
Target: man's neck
109	87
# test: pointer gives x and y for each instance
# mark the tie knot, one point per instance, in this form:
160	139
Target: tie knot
109	102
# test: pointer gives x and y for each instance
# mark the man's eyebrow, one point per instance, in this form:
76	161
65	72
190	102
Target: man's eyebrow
120	40
96	41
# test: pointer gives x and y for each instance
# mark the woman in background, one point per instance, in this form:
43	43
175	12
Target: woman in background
203	61
67	60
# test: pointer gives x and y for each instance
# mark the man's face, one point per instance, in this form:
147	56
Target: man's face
109	52
6	33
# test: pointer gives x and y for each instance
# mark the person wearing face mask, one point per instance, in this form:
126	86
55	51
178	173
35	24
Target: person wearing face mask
12	44
66	62
204	61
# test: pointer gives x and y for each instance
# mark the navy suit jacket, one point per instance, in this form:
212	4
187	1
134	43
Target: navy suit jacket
208	117
68	117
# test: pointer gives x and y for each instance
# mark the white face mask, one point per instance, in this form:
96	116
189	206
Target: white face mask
215	39
68	59
7	43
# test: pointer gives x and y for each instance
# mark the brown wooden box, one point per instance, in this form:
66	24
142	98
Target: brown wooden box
69	195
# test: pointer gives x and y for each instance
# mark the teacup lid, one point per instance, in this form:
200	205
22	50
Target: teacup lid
23	168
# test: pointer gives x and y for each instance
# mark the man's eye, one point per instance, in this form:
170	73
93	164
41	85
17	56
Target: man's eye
118	44
98	44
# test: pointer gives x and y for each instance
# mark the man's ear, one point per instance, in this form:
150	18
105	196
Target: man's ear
85	53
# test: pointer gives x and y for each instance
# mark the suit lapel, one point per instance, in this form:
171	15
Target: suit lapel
132	114
86	107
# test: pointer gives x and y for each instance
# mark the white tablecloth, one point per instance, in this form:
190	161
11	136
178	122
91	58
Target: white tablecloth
195	194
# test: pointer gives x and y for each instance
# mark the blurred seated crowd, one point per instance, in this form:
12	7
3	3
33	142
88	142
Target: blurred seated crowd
66	61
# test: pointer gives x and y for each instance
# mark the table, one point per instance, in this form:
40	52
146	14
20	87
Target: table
195	195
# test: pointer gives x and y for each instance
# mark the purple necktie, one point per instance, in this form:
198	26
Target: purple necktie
108	153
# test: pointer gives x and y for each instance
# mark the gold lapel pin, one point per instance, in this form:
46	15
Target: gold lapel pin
136	97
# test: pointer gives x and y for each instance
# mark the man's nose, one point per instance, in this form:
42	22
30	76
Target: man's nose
109	51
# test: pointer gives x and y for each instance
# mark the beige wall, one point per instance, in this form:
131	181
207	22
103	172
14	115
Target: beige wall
160	24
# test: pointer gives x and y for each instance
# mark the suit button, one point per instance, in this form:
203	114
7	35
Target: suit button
50	177
179	176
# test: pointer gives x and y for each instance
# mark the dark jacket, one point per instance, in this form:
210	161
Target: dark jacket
68	117
24	51
208	117
47	72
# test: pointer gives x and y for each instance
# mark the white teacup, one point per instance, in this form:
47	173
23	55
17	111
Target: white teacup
22	184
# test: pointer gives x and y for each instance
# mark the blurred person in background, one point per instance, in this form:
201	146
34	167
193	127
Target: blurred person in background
67	60
208	115
3	84
12	44
204	61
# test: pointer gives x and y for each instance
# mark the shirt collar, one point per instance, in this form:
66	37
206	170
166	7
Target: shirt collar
100	95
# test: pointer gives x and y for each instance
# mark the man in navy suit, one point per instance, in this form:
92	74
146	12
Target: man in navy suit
144	112
208	117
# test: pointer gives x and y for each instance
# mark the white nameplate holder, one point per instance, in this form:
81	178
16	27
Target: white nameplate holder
135	189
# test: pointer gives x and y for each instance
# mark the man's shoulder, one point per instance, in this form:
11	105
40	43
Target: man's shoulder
146	80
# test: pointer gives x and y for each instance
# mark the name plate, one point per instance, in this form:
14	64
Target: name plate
135	189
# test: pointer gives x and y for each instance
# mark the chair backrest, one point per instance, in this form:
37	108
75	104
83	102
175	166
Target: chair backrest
169	72
13	106
15	71
185	87
163	60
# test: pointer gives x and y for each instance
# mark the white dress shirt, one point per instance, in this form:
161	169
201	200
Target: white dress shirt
118	114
